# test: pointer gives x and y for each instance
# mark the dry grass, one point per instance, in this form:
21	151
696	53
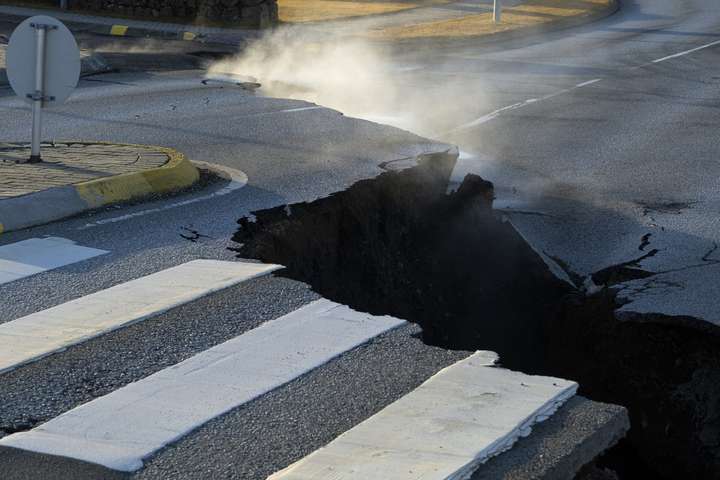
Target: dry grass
530	13
299	11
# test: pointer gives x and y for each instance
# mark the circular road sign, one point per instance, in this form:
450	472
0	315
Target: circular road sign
62	60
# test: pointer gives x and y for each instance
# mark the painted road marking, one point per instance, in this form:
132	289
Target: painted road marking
496	113
118	30
686	52
589	82
238	179
444	429
515	106
37	255
122	428
34	336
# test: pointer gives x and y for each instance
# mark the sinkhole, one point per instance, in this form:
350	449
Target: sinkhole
401	245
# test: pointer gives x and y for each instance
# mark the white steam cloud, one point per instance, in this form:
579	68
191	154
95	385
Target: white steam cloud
358	77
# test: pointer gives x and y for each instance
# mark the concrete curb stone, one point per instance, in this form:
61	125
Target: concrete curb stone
60	202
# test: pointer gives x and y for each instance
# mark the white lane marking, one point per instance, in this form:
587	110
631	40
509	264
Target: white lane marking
299	109
122	428
515	106
36	255
34	336
589	82
488	117
686	52
444	429
238	179
496	113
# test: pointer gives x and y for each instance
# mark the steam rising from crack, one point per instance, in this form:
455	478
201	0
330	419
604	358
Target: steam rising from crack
359	77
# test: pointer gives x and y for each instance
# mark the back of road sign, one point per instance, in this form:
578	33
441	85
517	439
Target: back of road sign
62	61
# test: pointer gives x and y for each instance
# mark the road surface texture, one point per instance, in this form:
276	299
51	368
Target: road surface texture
599	142
602	148
291	152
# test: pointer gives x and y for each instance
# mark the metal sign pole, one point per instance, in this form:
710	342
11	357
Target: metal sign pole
43	66
497	11
38	96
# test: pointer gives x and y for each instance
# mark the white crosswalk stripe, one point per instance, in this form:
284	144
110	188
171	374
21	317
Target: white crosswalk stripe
37	255
122	428
34	336
444	429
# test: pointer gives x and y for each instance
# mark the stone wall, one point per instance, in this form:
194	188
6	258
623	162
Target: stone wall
253	13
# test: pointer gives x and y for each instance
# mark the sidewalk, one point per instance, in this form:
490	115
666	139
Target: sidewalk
75	177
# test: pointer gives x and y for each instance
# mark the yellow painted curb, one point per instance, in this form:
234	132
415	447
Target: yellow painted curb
176	174
118	30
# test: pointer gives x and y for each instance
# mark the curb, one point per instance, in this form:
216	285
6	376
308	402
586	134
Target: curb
120	30
61	202
235	39
97	24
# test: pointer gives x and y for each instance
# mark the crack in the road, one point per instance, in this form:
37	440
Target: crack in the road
194	235
668	207
400	245
527	212
644	242
624	271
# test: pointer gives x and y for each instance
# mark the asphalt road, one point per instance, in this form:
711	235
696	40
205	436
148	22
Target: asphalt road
596	141
601	154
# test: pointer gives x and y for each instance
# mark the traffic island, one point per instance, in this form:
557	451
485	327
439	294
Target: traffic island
75	177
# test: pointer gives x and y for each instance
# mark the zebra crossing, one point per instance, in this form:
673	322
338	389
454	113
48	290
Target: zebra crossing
458	418
40	334
36	255
444	429
120	429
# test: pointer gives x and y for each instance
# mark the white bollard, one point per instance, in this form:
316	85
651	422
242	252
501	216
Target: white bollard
497	11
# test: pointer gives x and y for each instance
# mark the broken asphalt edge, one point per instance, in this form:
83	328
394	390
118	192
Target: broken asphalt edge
61	202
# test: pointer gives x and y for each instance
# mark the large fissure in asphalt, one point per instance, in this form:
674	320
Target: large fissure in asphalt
401	245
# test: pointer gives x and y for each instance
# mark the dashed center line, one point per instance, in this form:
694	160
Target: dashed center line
686	52
589	82
514	106
496	113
